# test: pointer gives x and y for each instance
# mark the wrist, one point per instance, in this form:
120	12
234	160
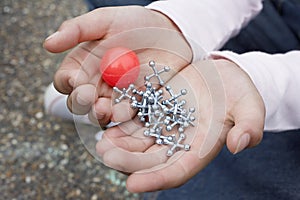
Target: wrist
167	23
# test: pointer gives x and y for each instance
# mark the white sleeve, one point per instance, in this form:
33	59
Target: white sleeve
208	24
277	78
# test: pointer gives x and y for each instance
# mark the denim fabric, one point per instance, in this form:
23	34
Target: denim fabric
267	172
291	15
92	4
272	169
275	30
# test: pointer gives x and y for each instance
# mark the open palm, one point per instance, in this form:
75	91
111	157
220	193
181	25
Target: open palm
227	110
150	34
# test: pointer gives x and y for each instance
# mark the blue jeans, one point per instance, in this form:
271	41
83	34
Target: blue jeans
275	30
92	4
272	169
267	172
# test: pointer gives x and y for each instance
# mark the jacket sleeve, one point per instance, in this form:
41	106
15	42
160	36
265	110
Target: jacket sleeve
277	78
208	24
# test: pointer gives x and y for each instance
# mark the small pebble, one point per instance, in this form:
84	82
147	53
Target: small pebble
39	115
94	197
28	179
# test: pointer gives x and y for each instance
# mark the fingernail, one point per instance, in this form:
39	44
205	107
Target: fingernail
243	143
52	35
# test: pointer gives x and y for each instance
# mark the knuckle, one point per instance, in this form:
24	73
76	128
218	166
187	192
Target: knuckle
66	23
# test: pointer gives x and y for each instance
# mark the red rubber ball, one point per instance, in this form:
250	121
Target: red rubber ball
119	67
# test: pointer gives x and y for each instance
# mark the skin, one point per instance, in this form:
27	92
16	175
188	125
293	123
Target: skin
229	109
78	74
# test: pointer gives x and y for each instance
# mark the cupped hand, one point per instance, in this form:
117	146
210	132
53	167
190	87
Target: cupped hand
152	35
229	110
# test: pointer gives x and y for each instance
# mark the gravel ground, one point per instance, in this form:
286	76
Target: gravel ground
42	157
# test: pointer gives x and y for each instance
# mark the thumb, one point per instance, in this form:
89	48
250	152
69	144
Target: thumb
249	115
90	26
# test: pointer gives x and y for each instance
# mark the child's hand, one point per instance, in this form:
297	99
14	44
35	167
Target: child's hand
229	110
150	34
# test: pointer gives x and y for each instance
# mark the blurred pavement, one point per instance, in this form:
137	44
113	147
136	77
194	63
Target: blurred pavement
42	157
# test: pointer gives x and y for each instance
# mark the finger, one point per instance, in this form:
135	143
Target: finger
127	128
79	67
82	64
175	172
128	152
122	112
158	180
131	144
123	130
248	124
69	70
82	98
101	111
178	169
87	27
128	161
